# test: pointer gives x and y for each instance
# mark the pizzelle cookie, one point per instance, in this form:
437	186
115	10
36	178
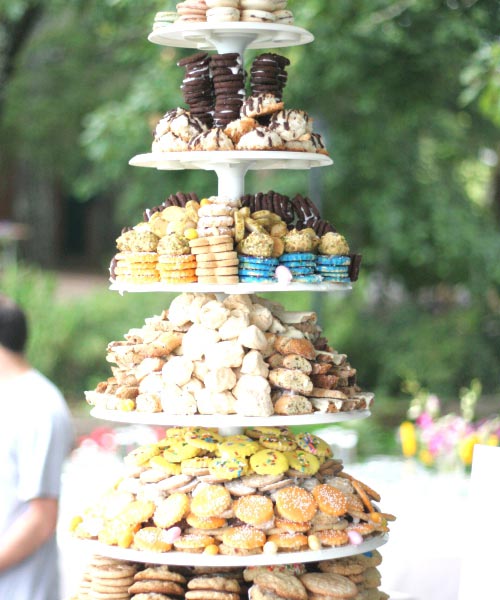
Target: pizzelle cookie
286	586
156	586
220	584
329	584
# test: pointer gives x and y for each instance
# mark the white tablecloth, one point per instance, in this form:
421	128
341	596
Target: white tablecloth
422	557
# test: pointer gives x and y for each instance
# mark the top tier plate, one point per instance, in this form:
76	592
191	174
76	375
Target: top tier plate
230	37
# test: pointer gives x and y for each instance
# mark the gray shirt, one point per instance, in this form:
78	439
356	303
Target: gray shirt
35	437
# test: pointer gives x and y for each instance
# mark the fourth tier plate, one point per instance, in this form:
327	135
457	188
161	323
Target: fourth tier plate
220	560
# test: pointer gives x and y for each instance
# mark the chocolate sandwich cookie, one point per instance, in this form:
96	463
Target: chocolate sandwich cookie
268	74
229	87
197	86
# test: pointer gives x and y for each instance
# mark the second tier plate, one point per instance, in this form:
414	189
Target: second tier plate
226	421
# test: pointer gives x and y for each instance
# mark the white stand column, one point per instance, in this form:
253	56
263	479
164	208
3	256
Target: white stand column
232	179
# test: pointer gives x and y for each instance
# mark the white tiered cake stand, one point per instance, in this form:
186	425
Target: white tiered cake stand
231	168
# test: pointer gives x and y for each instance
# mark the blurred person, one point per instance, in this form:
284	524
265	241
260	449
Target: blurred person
36	435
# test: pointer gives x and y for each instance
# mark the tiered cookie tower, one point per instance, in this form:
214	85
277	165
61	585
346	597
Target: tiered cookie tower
231	167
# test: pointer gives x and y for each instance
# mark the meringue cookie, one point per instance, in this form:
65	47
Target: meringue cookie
253	364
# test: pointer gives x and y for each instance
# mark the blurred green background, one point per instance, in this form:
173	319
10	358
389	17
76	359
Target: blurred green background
407	96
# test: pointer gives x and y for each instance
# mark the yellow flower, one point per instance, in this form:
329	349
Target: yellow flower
466	449
408	439
426	457
492	440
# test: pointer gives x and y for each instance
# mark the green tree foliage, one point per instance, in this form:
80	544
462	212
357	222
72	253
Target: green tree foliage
406	93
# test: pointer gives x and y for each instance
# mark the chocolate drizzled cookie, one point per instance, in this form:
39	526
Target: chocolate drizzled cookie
197	86
229	87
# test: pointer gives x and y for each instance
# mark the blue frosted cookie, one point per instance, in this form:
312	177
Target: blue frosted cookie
336	279
308	279
257	260
296	256
258	268
249	279
256	274
300	263
332	270
301	270
323	259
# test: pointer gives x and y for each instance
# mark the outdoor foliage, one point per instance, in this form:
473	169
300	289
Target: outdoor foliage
407	94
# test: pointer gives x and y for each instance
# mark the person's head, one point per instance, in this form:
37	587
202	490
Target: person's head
13	326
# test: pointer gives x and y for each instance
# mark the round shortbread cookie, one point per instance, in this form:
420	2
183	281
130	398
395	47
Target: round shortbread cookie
137	257
183	259
215	249
215	210
212	241
112	583
222	279
202	272
213	264
216	257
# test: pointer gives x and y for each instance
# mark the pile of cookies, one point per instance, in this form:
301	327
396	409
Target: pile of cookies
106	579
355	577
241	355
224	11
269	231
267	491
214	90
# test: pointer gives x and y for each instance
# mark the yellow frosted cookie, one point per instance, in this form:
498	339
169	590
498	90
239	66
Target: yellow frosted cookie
179	451
238	448
140	456
304	462
228	468
278	442
313	444
203	439
269	462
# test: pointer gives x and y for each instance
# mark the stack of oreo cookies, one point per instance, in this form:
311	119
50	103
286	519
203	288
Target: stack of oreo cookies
302	266
197	87
333	268
229	84
254	269
268	75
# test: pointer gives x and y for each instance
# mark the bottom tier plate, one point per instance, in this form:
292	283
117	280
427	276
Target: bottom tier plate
220	560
